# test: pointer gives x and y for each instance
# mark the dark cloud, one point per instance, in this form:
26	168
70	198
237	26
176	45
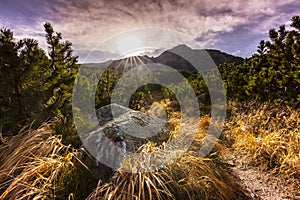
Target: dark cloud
290	8
214	12
231	25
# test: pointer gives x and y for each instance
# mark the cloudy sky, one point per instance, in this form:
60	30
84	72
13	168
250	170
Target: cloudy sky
233	26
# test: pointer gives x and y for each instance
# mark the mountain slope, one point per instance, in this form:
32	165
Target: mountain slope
177	62
171	59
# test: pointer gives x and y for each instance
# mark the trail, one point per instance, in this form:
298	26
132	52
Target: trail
259	184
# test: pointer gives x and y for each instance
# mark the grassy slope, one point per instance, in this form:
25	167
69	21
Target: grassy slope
35	164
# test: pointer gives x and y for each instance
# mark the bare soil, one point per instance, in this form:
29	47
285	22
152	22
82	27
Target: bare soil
260	184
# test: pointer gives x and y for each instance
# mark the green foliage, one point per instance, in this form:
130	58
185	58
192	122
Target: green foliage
273	74
65	127
107	82
21	75
76	182
61	75
198	84
34	86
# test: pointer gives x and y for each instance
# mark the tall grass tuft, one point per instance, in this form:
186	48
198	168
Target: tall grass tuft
269	136
31	164
36	164
189	177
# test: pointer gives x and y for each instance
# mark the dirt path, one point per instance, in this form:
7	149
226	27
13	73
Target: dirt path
265	186
262	185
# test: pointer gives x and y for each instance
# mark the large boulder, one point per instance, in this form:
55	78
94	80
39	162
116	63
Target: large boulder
129	128
125	129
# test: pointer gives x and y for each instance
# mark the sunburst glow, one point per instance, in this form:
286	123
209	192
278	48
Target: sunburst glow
130	45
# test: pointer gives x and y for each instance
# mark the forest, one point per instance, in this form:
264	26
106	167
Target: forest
42	156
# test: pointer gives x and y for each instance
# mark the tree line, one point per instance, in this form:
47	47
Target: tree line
273	73
36	85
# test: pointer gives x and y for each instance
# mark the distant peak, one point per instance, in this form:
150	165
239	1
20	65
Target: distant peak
181	47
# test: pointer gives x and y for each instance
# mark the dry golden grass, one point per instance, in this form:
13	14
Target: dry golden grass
190	177
35	164
268	135
31	163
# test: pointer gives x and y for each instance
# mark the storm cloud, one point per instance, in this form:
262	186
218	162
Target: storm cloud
233	26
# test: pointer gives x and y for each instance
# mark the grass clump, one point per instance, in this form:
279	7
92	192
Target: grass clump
269	136
189	177
35	164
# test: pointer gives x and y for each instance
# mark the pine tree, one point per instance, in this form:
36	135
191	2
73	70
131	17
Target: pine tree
21	63
61	75
273	74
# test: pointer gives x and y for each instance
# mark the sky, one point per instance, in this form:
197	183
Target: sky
232	26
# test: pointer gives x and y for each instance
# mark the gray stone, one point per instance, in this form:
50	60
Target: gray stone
124	128
128	128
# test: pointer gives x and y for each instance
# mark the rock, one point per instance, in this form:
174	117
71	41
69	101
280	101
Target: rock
124	128
128	128
131	128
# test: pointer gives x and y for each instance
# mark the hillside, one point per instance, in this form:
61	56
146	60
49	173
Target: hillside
173	60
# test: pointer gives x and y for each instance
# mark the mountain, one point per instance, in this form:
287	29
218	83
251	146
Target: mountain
175	61
171	58
220	57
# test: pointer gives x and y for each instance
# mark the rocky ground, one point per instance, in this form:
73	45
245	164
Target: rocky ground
259	184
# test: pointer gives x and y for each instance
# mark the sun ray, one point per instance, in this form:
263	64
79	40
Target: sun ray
143	64
119	64
130	59
134	61
125	66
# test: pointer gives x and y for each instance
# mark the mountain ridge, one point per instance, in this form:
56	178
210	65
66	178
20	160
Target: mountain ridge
172	59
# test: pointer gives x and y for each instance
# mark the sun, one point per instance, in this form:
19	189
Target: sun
130	45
